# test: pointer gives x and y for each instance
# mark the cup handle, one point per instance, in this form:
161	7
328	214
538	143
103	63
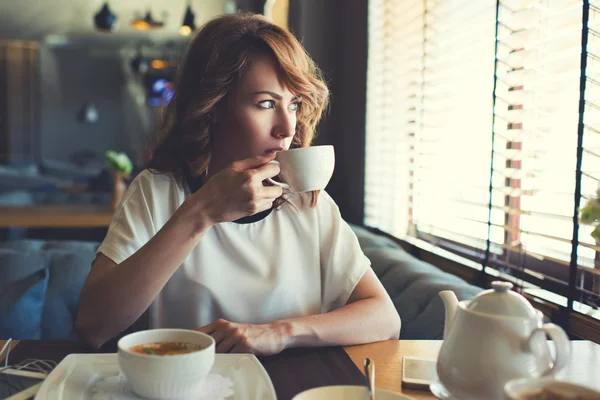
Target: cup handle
563	347
285	186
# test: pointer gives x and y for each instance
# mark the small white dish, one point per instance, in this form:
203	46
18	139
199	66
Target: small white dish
440	391
75	377
526	388
348	392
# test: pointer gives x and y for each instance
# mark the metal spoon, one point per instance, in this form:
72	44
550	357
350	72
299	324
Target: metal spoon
370	374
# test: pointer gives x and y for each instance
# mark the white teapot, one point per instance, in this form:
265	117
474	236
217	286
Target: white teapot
496	337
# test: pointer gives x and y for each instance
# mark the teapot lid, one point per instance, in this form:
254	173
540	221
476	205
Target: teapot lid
501	301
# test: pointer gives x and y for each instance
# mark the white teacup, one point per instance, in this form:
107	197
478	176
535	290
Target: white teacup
305	169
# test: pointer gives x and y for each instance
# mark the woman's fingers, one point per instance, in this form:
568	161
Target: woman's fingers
240	347
229	342
256	187
267	170
220	336
272	192
209	329
253	162
238	191
221	331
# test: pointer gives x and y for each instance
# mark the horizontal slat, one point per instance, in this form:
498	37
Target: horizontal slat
517	20
453	234
519	269
520	251
461	7
536	234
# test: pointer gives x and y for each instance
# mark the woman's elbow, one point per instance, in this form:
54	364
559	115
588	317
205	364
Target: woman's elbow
389	324
88	331
392	320
395	325
88	324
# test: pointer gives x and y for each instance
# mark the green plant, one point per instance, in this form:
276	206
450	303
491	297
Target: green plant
119	162
590	215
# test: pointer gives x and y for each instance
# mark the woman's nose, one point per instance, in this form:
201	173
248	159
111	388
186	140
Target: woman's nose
286	125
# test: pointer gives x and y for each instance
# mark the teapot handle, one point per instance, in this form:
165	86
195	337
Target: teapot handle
563	347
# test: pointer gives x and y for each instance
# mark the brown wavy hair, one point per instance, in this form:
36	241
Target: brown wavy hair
214	62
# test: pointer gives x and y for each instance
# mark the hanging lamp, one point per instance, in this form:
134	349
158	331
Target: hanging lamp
188	25
148	22
105	19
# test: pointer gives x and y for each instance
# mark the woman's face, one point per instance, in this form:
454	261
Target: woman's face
260	116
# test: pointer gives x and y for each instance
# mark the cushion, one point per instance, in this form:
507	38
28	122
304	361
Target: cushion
413	285
21	306
15	197
369	240
23	246
18	263
66	264
69	266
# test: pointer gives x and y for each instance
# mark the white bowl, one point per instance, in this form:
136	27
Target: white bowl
347	393
166	377
519	389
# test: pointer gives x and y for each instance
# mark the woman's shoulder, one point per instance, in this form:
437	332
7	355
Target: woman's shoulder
154	191
150	180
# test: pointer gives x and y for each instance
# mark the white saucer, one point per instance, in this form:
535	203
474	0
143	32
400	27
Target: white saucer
440	391
76	376
516	388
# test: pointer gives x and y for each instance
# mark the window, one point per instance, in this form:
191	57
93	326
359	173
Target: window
480	141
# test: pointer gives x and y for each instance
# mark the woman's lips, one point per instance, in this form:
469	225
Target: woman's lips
274	150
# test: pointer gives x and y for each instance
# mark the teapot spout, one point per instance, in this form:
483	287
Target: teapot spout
450	305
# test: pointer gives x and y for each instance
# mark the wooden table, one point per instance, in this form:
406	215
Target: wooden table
56	216
387	356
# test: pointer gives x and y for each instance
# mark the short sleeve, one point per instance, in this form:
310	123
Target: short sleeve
343	262
131	226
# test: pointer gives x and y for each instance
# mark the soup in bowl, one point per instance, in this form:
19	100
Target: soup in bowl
166	348
166	363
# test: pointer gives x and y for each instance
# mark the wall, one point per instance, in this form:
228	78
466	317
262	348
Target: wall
19	94
70	77
334	32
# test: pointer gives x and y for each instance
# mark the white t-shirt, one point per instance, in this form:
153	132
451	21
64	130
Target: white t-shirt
297	261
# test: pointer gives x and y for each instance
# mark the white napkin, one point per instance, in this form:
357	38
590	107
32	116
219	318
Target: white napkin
216	387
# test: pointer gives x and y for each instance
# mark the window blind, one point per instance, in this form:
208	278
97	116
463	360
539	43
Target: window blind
475	117
451	162
538	90
394	80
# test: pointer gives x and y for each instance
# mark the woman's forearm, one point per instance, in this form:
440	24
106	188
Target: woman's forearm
114	299
364	321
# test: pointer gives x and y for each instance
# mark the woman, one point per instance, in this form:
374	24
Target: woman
202	242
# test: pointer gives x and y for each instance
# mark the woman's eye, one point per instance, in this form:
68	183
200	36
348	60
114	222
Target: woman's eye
268	104
295	106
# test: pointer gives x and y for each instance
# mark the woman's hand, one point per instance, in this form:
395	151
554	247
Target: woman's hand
237	191
262	340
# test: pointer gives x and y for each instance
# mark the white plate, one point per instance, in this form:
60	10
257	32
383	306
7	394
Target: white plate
348	393
77	374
